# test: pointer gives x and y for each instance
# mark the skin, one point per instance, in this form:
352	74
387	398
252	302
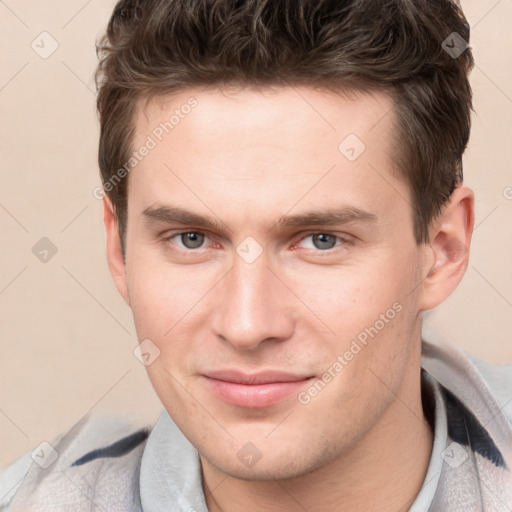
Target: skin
247	158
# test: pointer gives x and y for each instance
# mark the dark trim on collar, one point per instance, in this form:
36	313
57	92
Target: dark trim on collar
117	449
465	429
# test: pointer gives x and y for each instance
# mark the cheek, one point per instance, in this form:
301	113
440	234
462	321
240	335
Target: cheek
162	294
347	299
367	317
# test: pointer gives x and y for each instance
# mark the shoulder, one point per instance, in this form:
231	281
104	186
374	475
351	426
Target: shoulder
498	378
97	455
466	375
477	395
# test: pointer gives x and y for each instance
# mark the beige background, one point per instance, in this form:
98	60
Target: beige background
67	337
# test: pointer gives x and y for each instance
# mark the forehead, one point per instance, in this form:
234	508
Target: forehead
250	148
259	114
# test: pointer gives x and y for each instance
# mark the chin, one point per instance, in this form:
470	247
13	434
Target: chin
261	471
274	462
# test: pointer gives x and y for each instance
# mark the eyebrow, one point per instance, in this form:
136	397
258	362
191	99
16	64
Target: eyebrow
328	217
172	214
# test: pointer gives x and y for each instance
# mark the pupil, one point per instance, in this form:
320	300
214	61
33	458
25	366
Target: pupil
324	241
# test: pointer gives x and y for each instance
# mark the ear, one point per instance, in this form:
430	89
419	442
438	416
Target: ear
114	254
447	253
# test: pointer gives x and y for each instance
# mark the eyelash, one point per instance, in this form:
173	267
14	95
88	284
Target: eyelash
344	241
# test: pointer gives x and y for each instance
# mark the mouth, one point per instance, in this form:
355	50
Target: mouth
257	390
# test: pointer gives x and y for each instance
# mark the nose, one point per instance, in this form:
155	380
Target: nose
253	306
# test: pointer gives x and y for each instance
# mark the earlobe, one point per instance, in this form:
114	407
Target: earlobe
115	258
448	249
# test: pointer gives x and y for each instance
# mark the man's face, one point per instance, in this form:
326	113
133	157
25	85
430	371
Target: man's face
285	334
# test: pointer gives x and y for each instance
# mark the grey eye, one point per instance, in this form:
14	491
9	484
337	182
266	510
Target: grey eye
324	241
192	240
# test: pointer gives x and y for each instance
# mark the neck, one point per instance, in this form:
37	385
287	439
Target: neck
383	471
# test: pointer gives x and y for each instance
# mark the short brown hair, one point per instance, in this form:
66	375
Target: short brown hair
402	47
